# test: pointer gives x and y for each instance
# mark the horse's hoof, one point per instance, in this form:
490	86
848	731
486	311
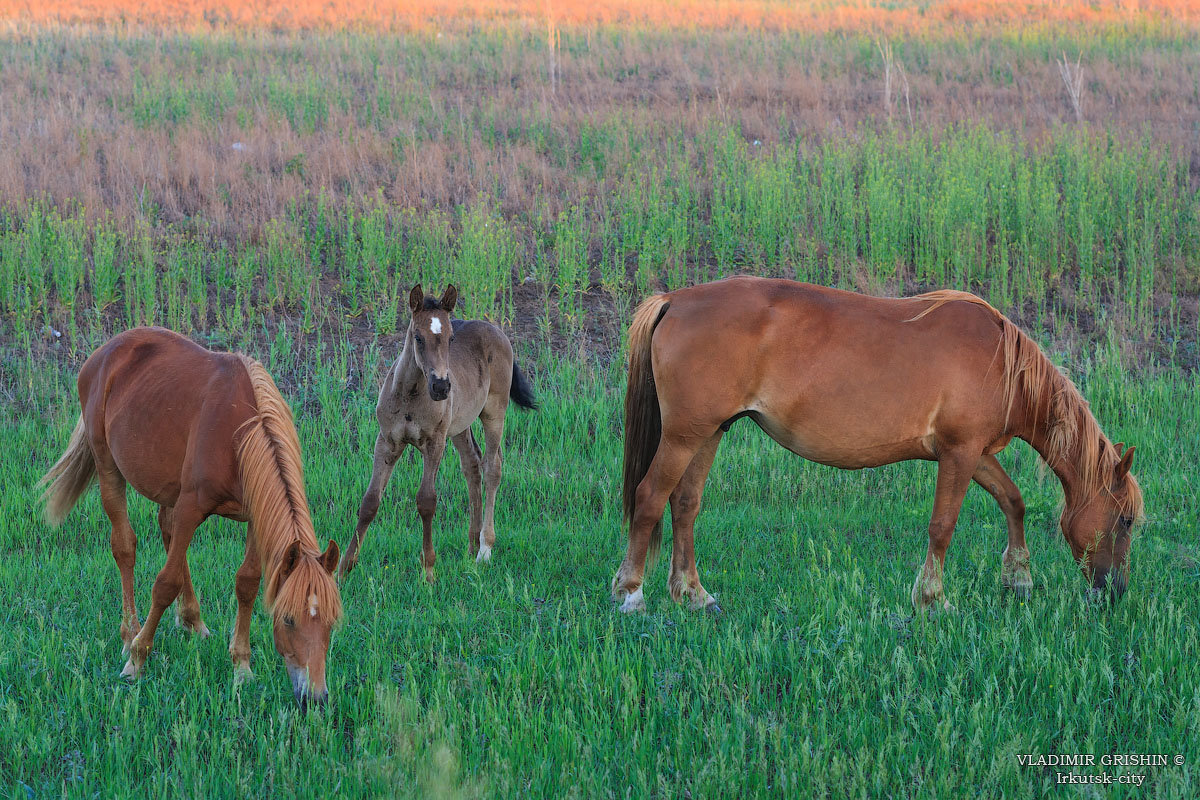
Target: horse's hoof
484	555
242	674
633	602
1021	591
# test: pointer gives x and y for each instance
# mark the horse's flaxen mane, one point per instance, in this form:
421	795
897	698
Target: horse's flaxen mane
1072	433
272	475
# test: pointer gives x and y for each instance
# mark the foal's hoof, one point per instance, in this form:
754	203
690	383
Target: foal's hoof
633	602
1021	590
242	674
484	555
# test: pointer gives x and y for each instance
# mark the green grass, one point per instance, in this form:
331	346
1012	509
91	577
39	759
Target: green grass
520	679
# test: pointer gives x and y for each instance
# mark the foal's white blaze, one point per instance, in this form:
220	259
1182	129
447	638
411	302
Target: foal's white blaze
435	325
312	605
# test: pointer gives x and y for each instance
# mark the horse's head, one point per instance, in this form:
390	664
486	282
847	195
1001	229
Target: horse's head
1098	528
306	607
432	333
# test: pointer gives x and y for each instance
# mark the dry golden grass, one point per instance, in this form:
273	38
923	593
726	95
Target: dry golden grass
819	16
226	131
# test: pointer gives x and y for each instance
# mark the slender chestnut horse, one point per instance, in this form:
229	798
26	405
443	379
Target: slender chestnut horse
449	373
853	382
202	433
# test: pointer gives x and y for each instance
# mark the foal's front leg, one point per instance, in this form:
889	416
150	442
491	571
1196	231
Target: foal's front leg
386	455
169	582
431	455
955	468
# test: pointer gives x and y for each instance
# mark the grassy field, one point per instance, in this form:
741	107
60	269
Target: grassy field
520	678
277	188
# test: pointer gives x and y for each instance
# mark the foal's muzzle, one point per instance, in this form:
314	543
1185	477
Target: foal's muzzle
439	388
1110	582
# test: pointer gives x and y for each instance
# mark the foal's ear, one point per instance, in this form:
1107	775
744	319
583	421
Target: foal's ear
1120	448
449	298
329	559
415	298
1124	465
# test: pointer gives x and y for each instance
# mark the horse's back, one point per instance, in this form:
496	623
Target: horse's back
162	407
838	377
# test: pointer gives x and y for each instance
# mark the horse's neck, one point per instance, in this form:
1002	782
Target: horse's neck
408	372
1064	465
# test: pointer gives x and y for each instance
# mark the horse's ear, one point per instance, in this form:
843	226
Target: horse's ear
449	298
415	298
1124	465
288	565
329	559
1120	448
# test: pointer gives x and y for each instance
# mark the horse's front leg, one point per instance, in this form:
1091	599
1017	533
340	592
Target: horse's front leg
169	583
431	455
955	468
246	589
386	455
1014	572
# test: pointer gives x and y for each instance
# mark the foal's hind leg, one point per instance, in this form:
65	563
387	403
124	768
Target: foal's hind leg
470	458
384	462
493	438
675	453
124	548
685	507
187	609
1015	570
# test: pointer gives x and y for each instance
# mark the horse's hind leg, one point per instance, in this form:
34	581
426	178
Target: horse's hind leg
685	507
427	501
955	468
384	462
187	609
991	476
470	458
246	589
675	452
124	547
493	438
184	519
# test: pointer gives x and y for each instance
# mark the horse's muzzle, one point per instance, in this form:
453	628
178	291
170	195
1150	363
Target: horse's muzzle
439	388
1113	583
306	696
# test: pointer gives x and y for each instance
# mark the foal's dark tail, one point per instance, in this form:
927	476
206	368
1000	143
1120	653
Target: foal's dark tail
643	418
520	391
70	476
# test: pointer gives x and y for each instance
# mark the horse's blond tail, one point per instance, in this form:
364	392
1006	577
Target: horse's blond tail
69	477
643	419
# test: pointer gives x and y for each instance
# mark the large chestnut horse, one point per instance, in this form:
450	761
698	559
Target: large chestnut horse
202	433
855	381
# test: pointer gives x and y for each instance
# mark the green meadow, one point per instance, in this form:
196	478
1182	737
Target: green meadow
368	163
520	678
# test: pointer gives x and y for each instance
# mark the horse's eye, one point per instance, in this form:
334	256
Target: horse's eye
1126	522
288	621
420	342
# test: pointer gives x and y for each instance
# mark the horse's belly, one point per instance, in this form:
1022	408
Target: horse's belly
845	447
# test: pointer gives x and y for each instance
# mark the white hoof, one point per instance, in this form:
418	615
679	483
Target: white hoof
633	602
484	555
242	674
